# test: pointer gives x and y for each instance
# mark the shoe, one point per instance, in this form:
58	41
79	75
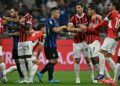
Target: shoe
53	81
1	75
4	79
77	80
23	81
94	81
99	77
30	80
119	78
40	76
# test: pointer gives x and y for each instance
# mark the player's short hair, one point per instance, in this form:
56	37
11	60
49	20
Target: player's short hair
79	3
23	10
40	25
53	9
116	4
93	7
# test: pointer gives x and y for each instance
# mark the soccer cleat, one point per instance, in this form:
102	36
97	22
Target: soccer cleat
94	81
23	81
40	76
99	77
119	78
1	75
19	80
4	79
53	81
77	80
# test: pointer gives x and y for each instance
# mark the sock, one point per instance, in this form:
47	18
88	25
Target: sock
110	62
3	68
117	72
106	73
45	68
18	69
34	69
76	69
11	69
50	71
30	66
101	63
97	67
23	68
91	71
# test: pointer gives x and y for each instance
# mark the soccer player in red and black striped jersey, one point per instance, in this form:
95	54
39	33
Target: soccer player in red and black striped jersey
79	44
111	22
94	40
25	45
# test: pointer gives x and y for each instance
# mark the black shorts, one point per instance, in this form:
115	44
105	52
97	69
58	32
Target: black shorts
15	54
25	56
51	53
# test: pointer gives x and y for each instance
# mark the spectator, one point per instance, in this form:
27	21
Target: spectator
51	3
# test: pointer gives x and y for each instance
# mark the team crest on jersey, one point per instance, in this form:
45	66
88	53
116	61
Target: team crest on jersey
53	54
50	22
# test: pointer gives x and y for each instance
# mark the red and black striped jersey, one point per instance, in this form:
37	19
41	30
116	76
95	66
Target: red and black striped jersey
1	30
91	36
24	35
76	20
29	19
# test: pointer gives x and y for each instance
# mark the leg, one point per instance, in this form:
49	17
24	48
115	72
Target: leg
23	69
77	69
30	74
101	65
117	69
19	69
3	68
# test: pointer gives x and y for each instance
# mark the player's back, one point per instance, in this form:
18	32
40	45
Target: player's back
113	24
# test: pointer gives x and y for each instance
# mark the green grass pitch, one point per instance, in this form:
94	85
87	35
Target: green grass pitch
67	78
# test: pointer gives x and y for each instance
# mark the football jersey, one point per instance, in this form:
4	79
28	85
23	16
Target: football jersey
76	20
91	36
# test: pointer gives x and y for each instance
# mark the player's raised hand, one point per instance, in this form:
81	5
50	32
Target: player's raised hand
10	19
70	26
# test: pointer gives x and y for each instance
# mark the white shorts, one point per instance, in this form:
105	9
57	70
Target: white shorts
94	49
33	57
78	49
0	50
108	45
25	48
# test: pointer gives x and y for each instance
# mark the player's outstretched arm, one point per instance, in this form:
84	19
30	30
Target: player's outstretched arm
58	29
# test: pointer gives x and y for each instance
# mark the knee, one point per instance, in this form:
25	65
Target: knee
95	60
77	61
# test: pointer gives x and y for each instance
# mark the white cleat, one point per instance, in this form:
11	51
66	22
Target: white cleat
30	81
77	80
4	79
94	81
23	81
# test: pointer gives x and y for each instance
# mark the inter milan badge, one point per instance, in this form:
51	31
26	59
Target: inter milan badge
54	55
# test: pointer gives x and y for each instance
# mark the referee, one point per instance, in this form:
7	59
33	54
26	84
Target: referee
50	47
